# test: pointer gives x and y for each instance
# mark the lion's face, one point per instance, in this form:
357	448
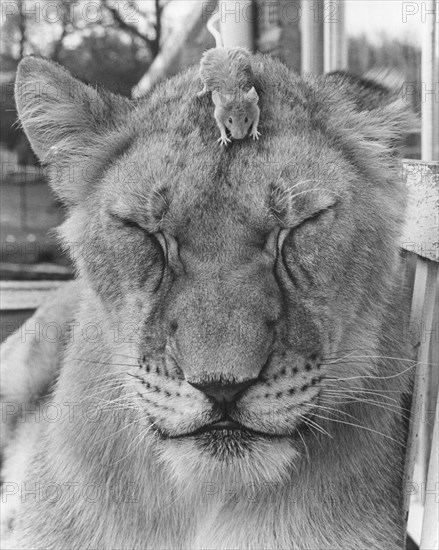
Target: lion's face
258	279
248	275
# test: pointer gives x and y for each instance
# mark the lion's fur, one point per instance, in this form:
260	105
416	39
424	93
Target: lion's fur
316	308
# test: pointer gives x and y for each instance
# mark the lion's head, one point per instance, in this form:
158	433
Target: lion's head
255	277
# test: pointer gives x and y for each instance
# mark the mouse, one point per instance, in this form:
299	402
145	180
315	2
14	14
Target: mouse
227	73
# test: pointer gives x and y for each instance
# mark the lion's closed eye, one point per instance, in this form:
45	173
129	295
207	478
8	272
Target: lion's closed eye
127	222
315	227
136	225
149	249
308	243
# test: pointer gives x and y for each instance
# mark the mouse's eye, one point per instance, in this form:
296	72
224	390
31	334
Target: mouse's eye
246	119
230	120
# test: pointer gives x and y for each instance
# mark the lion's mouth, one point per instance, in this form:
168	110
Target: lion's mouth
228	425
228	428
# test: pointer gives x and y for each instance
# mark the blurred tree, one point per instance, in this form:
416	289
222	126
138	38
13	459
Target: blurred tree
13	35
68	26
22	29
111	59
41	27
106	43
152	37
9	132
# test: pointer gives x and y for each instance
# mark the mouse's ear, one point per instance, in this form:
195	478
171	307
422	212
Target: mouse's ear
217	98
221	99
252	95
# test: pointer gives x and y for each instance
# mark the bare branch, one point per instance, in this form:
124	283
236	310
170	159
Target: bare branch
22	28
151	43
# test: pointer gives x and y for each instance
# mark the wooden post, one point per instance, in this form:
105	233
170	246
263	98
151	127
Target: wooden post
236	22
421	236
428	436
430	81
429	538
312	36
335	43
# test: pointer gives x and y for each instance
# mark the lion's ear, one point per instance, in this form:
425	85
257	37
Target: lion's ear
376	88
370	111
65	120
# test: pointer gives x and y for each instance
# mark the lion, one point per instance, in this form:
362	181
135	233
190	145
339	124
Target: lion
229	368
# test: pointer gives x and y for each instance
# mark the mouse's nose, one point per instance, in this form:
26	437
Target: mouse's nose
221	391
239	135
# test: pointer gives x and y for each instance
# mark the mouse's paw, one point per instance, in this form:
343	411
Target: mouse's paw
224	139
255	134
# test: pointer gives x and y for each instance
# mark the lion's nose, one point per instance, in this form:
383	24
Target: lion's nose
221	391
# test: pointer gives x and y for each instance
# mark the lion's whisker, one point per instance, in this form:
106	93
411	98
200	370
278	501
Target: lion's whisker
319	428
357	391
360	426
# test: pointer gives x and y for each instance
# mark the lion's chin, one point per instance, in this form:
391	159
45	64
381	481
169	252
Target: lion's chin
222	457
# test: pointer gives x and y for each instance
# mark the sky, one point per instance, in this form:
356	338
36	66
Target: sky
396	18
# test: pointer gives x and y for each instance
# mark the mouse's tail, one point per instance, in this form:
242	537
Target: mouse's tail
212	26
